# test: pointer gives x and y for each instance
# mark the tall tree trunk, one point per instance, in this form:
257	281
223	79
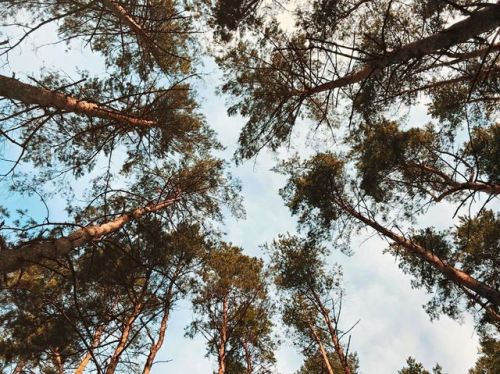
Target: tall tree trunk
127	328
31	95
155	347
223	338
322	350
484	20
153	48
34	252
448	271
57	360
88	356
248	358
332	330
19	367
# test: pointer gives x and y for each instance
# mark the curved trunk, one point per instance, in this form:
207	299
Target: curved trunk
31	95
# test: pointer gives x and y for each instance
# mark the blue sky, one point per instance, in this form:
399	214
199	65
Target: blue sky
392	324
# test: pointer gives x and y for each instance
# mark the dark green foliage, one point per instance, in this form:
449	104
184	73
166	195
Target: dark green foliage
473	246
489	359
414	367
233	311
314	364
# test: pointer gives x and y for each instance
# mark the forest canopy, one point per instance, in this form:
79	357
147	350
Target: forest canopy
379	115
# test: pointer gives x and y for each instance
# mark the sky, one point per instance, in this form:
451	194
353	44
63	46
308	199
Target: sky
392	324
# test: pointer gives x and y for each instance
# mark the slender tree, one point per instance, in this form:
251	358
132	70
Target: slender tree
313	297
233	311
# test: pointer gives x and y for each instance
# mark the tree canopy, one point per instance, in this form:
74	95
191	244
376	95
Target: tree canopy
399	103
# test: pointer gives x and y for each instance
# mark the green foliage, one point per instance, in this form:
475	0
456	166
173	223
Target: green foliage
414	367
314	364
489	360
129	278
231	301
472	246
312	297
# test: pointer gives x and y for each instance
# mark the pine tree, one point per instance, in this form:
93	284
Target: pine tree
233	312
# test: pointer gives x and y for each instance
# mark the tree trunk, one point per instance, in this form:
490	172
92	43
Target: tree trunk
88	356
322	350
31	95
19	367
223	338
57	360
486	19
126	329
34	252
448	271
155	347
339	350
153	48
248	358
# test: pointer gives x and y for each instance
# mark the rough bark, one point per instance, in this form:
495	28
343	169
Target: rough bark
223	338
31	95
35	252
456	275
482	21
88	356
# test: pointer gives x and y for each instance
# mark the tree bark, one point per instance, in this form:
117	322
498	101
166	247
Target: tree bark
19	367
155	347
248	358
153	48
484	20
31	95
34	252
458	276
322	350
223	338
57	360
339	350
127	328
86	359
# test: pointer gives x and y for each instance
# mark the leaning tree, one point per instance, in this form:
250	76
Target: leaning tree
360	75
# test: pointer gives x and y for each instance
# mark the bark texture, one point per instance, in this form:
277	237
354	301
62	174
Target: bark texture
153	48
31	95
322	350
35	252
88	356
